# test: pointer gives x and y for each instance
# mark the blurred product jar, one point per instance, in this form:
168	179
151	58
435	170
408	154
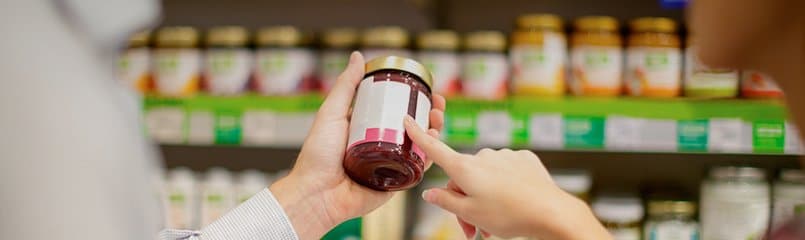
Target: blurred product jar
284	65
703	81
437	51
596	57
134	63
789	192
228	61
337	45
177	62
756	84
653	60
180	199
538	56
621	215
671	220
735	204
484	67
574	181
217	195
379	154
385	41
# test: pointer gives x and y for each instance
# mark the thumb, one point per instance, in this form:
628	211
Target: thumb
339	100
446	199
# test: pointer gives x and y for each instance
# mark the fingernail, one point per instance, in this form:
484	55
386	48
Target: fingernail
425	195
408	120
353	57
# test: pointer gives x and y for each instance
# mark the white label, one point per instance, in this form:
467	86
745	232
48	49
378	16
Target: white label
793	144
201	128
672	230
372	53
653	71
331	64
734	211
625	233
484	75
545	131
728	135
622	133
292	128
494	129
540	67
227	71
596	68
176	71
658	135
133	68
444	66
165	124
258	127
284	71
701	77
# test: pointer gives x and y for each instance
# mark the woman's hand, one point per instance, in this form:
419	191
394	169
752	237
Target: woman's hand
506	193
317	194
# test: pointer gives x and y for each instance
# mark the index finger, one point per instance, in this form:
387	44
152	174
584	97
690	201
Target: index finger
436	150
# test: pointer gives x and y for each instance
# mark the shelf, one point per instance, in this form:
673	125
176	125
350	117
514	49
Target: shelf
623	124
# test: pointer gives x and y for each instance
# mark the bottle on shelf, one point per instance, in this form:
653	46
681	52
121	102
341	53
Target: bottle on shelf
671	220
134	63
577	182
788	192
337	44
621	215
755	84
177	61
437	51
735	203
250	182
703	81
653	60
284	63
227	60
385	41
217	195
180	199
484	66
538	56
596	57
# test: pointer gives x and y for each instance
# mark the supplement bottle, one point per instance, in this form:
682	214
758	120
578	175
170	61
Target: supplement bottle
385	41
283	63
735	204
181	199
177	62
789	191
574	181
703	81
228	61
653	60
437	51
379	154
484	66
133	65
671	220
337	43
756	84
538	56
621	216
250	182
217	195
596	57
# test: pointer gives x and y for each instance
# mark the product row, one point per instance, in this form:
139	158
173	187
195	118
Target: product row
537	59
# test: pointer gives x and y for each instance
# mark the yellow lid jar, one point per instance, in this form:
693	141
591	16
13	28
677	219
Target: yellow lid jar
227	60
596	57
337	44
653	61
385	41
538	55
437	51
284	65
133	63
484	67
177	68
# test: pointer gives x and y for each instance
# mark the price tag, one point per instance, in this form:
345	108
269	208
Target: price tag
292	128
228	127
692	135
584	132
166	124
729	135
545	131
258	127
622	133
494	129
768	136
657	135
201	128
793	144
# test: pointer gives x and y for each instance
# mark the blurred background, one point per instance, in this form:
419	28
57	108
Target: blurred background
607	93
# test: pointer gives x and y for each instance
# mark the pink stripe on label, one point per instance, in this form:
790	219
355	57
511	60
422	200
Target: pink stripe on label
418	151
388	135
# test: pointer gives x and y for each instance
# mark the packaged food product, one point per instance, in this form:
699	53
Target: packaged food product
386	222
283	63
180	199
703	81
385	41
177	62
484	67
538	56
250	182
653	60
437	51
671	220
756	84
338	43
621	215
735	204
379	154
228	61
134	63
789	191
574	181
596	57
217	195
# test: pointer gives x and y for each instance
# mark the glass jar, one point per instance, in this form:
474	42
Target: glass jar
789	191
574	181
735	204
671	220
379	154
337	43
756	84
484	67
283	63
133	64
621	215
177	62
703	81
596	57
228	61
653	60
385	41
538	56
437	51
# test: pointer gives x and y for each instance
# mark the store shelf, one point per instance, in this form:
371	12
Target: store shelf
571	123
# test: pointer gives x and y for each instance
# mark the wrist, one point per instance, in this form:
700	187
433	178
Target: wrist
304	208
569	216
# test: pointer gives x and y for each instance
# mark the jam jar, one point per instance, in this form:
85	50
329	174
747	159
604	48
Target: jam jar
379	153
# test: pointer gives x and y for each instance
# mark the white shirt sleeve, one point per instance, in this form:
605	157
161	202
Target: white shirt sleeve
260	217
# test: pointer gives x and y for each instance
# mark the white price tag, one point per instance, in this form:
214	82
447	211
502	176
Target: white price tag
258	127
292	128
545	131
201	128
622	133
165	124
729	135
657	135
494	129
793	144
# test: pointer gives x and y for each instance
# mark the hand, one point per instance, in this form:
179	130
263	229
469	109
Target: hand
317	194
506	193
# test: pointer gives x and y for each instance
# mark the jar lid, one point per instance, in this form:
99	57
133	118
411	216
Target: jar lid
218	176
572	180
340	37
539	21
181	175
485	40
400	63
282	36
253	177
177	36
231	36
732	172
438	39
618	209
653	24
139	39
385	37
661	207
596	23
792	175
